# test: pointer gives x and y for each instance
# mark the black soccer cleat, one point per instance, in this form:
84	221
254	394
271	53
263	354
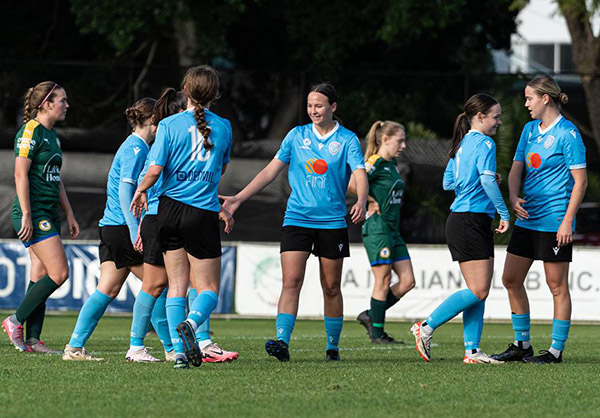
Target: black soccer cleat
545	357
188	338
332	355
278	349
513	353
386	339
365	320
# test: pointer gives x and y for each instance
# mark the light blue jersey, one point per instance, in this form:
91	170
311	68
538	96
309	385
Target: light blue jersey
190	173
319	172
475	157
126	166
153	193
549	155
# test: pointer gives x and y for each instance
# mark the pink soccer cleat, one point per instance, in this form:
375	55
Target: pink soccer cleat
15	334
212	353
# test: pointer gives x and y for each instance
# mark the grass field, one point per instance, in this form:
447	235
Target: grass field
369	381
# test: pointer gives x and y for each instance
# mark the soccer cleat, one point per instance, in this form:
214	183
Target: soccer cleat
78	354
479	357
386	339
15	334
422	341
365	320
41	347
278	349
212	353
170	355
513	353
140	356
188	338
545	357
181	362
332	355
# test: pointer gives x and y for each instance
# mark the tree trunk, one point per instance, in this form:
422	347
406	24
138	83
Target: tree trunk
185	37
586	56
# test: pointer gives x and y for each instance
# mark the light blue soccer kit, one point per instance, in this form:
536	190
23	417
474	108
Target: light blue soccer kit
191	176
320	167
549	155
471	173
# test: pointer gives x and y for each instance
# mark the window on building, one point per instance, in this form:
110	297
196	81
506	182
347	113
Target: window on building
541	56
566	58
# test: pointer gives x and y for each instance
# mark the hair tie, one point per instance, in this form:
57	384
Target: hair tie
47	95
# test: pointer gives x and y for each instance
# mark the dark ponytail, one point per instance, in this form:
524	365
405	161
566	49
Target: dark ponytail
480	102
169	103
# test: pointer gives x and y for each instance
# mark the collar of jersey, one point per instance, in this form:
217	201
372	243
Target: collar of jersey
328	134
476	131
552	125
143	140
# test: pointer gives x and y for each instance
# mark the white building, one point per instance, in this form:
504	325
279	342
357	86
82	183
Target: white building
542	43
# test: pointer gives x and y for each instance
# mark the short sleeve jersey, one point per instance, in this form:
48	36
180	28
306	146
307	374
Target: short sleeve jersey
386	187
153	193
549	155
125	168
475	157
191	174
42	147
319	172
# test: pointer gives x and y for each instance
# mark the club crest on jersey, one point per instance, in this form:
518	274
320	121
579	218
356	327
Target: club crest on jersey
45	225
533	160
306	143
549	141
385	252
334	147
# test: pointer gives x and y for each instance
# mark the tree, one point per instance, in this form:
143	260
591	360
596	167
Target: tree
586	54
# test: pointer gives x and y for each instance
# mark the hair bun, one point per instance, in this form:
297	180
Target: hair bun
563	98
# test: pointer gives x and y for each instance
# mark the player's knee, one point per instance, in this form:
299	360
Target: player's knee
292	284
481	294
331	291
60	276
558	289
510	282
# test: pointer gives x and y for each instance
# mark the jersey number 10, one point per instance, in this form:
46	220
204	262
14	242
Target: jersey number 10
197	145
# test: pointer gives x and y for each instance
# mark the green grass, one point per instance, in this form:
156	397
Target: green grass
369	381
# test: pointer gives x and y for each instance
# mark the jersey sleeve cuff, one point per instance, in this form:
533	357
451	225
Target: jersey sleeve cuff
128	180
488	173
577	166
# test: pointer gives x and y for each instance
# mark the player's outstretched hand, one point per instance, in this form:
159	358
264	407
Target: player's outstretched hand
230	204
139	203
73	227
358	212
226	217
517	205
137	245
502	227
564	236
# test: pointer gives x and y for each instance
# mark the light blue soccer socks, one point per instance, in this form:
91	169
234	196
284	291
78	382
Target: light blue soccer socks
175	315
451	306
142	311
473	325
521	324
159	321
560	333
333	329
284	325
88	318
203	305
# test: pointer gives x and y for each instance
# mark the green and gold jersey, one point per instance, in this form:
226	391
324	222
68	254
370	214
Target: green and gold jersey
42	147
386	187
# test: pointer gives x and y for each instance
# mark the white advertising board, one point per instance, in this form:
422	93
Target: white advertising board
258	284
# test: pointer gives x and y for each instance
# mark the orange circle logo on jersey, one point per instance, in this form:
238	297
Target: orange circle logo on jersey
534	160
315	166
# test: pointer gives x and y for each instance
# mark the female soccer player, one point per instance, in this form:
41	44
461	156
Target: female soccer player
150	302
191	151
118	228
553	155
35	211
381	231
321	157
471	173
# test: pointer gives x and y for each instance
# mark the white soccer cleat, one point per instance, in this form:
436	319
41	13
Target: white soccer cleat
140	356
170	355
212	353
78	354
422	341
480	357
